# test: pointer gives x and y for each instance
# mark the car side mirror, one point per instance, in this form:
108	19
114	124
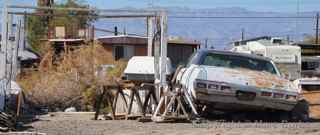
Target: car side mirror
286	76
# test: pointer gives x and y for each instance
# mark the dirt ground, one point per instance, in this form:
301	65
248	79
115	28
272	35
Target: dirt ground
81	124
314	101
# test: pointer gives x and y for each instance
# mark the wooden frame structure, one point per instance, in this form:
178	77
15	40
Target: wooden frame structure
159	90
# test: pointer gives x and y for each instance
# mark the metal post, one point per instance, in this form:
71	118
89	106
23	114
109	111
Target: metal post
150	35
23	33
15	50
9	46
3	50
4	38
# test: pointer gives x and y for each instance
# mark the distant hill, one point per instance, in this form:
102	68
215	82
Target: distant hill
220	32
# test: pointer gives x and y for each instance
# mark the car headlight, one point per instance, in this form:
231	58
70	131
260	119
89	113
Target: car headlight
201	85
225	88
213	86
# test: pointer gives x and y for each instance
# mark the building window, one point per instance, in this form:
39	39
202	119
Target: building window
123	52
119	52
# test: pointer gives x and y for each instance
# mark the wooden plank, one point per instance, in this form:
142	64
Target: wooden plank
139	100
98	104
130	104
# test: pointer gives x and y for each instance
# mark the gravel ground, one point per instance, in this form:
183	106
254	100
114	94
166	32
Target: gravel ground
81	124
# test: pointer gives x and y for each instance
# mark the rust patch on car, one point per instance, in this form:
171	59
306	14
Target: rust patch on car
259	79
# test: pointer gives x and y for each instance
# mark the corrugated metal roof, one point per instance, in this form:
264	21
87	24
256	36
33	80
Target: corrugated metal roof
134	40
65	40
123	39
121	36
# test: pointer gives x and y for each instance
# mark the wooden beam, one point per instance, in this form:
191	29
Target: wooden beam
93	15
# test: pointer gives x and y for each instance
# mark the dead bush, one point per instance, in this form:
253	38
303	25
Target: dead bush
71	81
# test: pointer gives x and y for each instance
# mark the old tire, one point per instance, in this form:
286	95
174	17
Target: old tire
300	112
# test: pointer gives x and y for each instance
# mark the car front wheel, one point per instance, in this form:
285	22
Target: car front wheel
300	112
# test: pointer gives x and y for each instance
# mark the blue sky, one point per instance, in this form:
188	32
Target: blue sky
256	5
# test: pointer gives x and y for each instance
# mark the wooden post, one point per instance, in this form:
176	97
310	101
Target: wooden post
65	48
161	63
157	58
98	102
19	104
163	59
163	56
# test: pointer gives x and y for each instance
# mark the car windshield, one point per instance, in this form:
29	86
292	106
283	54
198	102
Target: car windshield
231	61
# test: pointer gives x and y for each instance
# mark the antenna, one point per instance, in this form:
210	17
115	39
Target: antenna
297	25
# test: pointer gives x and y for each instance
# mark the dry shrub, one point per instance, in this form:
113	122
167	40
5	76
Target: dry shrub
72	80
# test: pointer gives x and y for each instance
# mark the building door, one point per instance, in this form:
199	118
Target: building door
119	52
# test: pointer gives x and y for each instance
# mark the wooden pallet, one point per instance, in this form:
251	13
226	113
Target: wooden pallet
134	94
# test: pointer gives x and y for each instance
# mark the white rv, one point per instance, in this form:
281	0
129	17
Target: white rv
286	56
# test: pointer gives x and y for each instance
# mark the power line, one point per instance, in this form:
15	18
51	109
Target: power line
182	17
243	17
113	32
264	22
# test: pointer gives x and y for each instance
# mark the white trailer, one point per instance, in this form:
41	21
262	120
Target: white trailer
287	57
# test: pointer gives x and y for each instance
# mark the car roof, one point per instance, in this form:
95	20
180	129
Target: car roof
236	54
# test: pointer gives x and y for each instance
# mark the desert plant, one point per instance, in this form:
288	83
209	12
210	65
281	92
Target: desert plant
71	81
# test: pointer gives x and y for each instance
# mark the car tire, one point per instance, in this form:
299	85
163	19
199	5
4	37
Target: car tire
284	117
300	112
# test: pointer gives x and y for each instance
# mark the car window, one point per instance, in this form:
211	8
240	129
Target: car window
231	61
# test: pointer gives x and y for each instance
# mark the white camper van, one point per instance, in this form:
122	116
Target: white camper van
286	56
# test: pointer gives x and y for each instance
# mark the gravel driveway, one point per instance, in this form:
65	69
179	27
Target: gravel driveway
81	124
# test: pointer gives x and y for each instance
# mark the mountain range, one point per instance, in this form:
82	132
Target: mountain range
221	26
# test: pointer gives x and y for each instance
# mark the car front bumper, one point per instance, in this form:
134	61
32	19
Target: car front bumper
231	102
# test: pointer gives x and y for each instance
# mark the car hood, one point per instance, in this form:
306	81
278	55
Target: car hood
258	79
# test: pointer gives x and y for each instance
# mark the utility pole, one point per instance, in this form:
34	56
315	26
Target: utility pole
317	29
206	43
47	19
297	22
242	34
288	39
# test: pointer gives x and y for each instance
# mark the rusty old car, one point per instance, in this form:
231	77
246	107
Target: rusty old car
236	82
